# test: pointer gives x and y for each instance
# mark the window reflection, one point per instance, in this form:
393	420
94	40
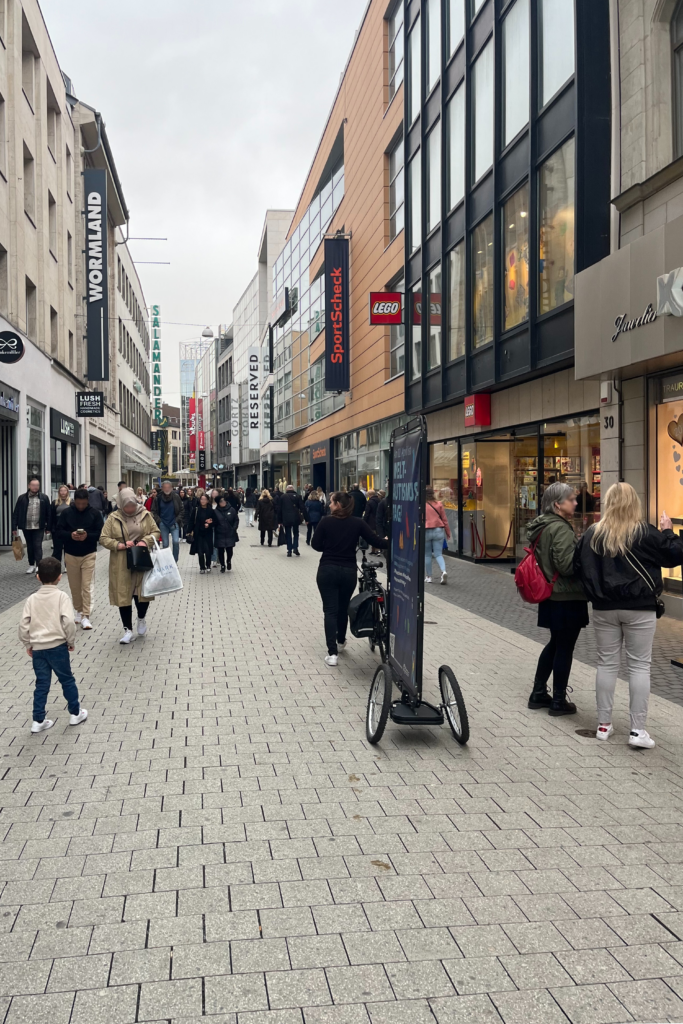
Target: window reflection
434	178
516	246
415	312
482	262
557	45
396	191
434	308
456	24
415	186
396	49
483	112
516	70
456	148
556	235
456	302
397	333
433	43
415	70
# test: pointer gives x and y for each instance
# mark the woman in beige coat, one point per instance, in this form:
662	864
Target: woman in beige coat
129	525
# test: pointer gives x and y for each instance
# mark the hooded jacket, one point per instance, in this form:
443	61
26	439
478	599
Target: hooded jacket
266	515
226	524
555	553
630	582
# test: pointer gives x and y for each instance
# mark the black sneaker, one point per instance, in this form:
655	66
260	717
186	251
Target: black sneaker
289	554
222	568
297	554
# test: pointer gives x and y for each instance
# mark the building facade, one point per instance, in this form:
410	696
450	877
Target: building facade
166	444
629	338
507	112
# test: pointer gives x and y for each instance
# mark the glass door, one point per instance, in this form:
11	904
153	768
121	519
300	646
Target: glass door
571	455
669	480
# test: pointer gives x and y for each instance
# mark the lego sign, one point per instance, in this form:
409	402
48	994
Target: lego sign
386	308
478	411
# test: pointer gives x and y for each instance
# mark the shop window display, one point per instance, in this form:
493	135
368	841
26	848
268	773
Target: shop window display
482	258
434	348
456	302
516	245
556	241
571	455
444	479
669	474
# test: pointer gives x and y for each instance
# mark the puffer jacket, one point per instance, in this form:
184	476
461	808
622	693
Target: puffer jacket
555	554
632	581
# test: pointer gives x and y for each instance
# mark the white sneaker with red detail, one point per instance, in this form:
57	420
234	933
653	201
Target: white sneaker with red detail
640	738
604	731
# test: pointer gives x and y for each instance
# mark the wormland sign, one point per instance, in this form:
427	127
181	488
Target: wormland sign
157	409
97	293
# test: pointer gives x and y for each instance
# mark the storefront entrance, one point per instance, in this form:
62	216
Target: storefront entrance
668	474
491	490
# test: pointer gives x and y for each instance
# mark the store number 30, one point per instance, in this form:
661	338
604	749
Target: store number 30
609	422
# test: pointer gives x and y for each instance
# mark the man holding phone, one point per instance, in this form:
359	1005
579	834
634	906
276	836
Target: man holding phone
79	529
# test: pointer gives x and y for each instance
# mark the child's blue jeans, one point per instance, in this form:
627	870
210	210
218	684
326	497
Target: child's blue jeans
54	659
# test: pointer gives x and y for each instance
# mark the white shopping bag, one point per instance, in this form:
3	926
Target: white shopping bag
164	578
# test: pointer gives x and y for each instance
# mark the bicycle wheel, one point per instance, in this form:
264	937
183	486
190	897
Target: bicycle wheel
454	705
379	702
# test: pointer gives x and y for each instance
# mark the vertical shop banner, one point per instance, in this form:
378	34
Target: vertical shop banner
193	432
406	568
157	405
337	332
234	424
97	292
254	400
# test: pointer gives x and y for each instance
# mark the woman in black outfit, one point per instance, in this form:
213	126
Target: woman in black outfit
266	517
337	537
202	528
226	523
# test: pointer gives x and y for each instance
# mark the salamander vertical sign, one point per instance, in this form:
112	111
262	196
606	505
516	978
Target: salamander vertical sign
157	406
97	291
337	333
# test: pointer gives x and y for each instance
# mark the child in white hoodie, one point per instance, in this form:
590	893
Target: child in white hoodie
48	631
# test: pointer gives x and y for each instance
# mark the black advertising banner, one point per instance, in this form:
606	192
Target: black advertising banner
202	460
97	293
337	334
406	571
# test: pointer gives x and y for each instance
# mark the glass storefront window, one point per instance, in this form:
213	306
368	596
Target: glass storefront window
456	24
556	230
516	247
667	466
433	43
415	307
415	191
34	452
415	70
443	476
456	302
434	347
516	70
434	178
571	455
557	46
456	149
482	261
482	119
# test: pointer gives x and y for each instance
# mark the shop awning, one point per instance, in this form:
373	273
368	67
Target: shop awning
135	462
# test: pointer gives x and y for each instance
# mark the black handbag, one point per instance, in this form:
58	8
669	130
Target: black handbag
138	559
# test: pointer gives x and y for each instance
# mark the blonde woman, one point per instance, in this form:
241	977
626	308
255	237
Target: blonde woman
59	505
140	496
619	561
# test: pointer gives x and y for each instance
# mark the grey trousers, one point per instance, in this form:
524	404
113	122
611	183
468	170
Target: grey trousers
637	630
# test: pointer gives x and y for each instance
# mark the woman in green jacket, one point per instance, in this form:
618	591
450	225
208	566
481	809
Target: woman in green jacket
565	613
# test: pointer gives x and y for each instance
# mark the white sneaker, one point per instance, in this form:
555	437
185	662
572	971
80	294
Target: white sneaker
604	732
86	623
342	645
80	717
78	617
142	627
640	738
428	579
444	579
331	660
42	726
31	569
127	637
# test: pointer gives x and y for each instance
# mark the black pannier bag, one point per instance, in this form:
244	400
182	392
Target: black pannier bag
361	614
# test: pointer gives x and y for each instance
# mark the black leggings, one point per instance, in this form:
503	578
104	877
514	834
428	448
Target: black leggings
270	536
225	557
336	584
127	611
556	658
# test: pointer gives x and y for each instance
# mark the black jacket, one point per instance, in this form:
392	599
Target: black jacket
315	510
21	508
202	539
178	508
233	499
370	514
96	498
90	520
624	582
359	502
265	514
338	538
291	509
188	504
382	524
226	523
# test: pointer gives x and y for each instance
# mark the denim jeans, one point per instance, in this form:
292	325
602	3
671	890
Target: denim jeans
174	533
292	534
54	659
434	549
34	545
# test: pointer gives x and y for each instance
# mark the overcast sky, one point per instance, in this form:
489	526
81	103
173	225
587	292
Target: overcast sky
213	111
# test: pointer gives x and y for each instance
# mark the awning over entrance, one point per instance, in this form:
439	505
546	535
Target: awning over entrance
135	462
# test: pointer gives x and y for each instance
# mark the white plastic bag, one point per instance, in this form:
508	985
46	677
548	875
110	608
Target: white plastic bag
164	578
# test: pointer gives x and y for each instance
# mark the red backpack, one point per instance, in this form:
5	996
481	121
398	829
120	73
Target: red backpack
531	583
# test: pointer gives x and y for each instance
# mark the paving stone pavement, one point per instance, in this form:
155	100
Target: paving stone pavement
219	843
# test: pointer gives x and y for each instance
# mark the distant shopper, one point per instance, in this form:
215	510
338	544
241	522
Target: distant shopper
225	535
565	613
32	515
382	516
79	529
96	499
140	496
233	499
130	525
188	506
315	510
168	512
48	631
436	531
359	501
250	500
149	500
292	514
337	537
202	533
266	517
619	561
59	505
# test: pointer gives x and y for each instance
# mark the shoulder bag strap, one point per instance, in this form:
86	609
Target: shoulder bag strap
644	575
